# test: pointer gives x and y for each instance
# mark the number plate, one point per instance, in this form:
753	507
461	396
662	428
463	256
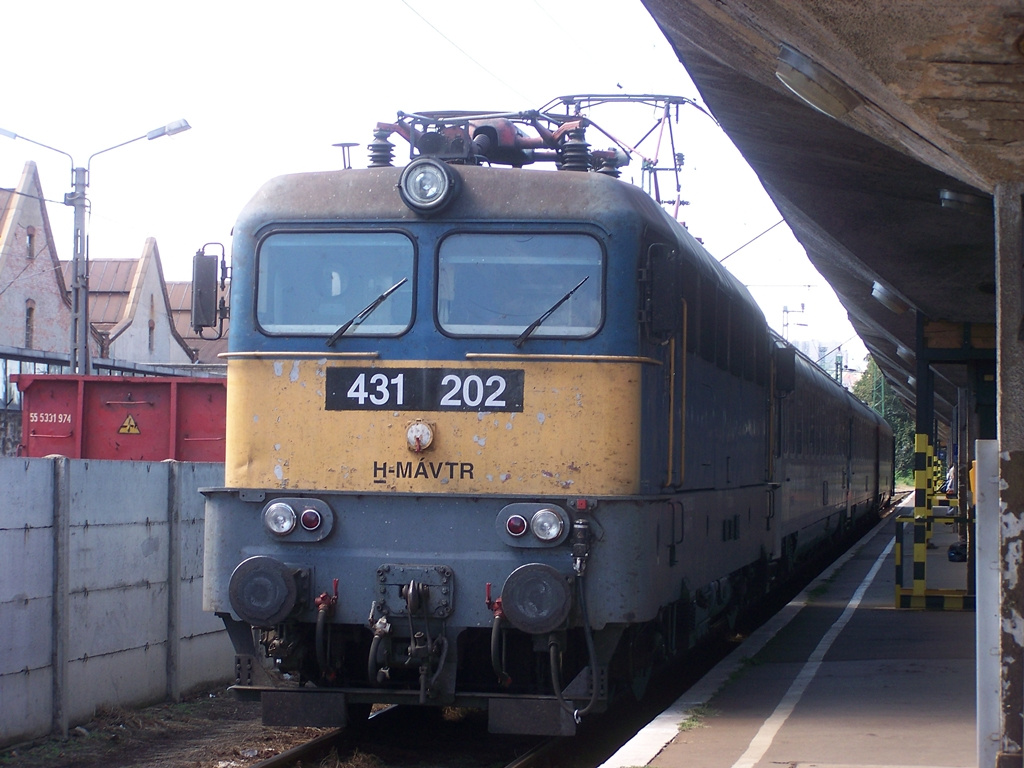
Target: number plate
423	389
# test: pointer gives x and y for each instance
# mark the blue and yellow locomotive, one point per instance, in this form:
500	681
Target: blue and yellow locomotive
503	438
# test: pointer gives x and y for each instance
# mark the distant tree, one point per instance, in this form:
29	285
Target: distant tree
875	391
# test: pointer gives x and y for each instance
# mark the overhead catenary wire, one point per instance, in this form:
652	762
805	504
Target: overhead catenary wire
32	197
836	348
765	232
17	278
561	30
42	248
456	46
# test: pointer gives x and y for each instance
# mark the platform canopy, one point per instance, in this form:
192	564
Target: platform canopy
887	180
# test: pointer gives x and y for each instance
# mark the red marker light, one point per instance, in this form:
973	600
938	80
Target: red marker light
516	525
310	519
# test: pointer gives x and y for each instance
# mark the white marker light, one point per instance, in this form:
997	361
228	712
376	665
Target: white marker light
279	519
546	525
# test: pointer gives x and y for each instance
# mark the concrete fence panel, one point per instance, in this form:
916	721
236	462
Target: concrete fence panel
26	597
100	590
202	646
117	583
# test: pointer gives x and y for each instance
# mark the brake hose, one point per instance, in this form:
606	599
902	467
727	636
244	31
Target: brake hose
371	662
321	645
504	680
553	648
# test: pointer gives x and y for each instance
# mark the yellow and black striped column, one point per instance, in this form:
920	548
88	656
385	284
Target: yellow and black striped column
923	486
933	468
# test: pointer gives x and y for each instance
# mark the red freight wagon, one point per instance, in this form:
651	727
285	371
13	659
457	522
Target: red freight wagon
120	417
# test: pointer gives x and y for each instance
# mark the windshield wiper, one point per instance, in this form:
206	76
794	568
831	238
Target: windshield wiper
365	312
536	323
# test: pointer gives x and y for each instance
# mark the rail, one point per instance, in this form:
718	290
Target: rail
542	755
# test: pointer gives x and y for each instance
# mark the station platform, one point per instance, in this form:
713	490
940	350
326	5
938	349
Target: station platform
839	678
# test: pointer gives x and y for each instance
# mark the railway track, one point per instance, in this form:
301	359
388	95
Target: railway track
310	751
413	738
422	738
540	756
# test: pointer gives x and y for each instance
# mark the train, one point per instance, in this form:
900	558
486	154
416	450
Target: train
501	437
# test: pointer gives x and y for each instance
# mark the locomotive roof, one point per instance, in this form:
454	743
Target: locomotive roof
487	194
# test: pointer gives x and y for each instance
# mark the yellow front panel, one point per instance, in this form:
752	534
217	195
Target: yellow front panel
578	432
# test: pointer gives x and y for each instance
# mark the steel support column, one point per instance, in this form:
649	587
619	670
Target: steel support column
1010	409
925	411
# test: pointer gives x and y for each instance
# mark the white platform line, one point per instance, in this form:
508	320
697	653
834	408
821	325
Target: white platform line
766	734
653	738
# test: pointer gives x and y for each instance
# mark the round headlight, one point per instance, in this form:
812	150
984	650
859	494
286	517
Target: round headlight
279	518
546	525
427	185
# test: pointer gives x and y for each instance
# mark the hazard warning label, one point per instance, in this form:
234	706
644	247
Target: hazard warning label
129	427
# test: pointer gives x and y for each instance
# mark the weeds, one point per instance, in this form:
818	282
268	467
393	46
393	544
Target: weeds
745	663
822	587
696	717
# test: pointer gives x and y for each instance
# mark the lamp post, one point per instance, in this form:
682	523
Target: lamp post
79	361
786	312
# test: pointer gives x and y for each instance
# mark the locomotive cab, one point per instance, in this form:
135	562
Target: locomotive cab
495	438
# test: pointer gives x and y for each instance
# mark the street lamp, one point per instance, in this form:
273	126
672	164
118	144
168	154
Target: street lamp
80	259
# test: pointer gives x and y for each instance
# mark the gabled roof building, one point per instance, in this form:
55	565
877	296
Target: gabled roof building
132	320
35	308
130	315
134	327
130	310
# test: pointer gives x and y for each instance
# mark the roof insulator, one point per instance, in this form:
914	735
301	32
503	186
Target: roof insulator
382	151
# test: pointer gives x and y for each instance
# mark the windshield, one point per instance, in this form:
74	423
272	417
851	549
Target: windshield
500	284
311	283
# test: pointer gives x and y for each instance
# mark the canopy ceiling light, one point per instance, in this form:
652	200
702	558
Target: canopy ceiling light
964	201
906	354
813	84
888	298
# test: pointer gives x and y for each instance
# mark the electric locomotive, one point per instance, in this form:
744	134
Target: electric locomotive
502	438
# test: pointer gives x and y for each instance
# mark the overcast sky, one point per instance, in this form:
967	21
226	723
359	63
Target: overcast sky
268	87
